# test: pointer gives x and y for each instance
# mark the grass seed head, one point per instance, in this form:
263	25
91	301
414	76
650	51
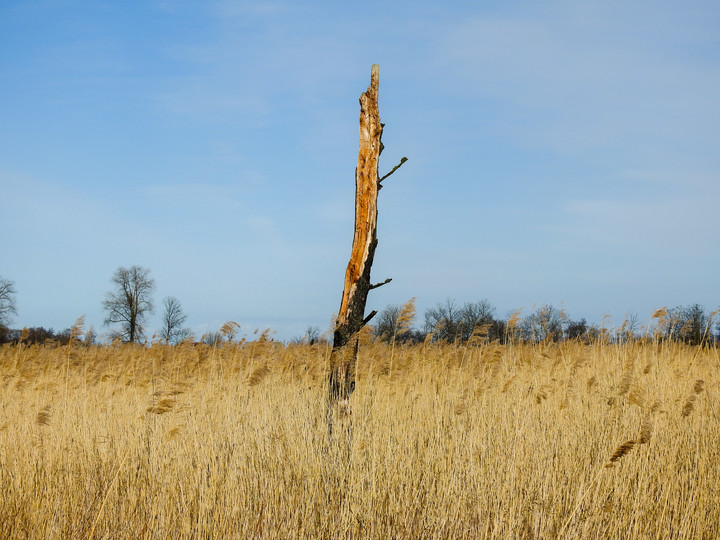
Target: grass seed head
689	406
659	313
406	317
43	416
646	430
258	375
620	451
162	406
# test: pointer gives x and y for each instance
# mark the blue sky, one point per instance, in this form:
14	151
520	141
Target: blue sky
559	152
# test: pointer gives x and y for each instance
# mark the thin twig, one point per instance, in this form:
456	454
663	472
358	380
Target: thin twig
376	285
395	168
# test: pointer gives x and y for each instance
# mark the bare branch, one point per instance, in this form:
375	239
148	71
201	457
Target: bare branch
376	285
367	319
395	168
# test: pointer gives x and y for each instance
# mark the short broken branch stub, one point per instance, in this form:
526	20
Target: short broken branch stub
395	168
376	285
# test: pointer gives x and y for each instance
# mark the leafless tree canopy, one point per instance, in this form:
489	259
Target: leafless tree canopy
130	302
7	301
445	321
172	330
387	325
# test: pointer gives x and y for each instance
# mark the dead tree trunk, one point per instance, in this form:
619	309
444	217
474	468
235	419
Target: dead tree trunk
351	317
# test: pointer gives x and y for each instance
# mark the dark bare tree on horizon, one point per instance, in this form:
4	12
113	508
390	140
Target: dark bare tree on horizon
7	306
130	302
172	330
7	300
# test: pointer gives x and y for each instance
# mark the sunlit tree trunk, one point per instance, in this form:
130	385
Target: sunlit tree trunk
351	317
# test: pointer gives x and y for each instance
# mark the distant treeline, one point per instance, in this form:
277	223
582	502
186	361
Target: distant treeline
474	322
42	336
131	301
477	321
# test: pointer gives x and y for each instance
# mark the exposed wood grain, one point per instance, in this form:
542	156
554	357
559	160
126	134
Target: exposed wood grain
357	284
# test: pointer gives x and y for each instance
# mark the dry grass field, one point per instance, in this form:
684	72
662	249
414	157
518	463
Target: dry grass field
546	441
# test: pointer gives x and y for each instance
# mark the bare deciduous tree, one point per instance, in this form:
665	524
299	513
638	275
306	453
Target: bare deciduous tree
130	302
546	323
444	321
172	330
7	301
477	318
387	324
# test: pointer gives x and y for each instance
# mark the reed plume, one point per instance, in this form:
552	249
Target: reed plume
511	328
660	315
688	406
406	317
627	376
77	329
230	330
162	406
258	375
43	416
637	396
621	450
646	429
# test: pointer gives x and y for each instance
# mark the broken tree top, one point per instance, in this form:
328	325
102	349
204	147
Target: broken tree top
366	191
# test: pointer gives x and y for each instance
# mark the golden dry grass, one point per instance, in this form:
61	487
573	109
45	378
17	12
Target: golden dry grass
547	441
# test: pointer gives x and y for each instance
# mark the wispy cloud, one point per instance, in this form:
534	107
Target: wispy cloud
682	225
585	78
